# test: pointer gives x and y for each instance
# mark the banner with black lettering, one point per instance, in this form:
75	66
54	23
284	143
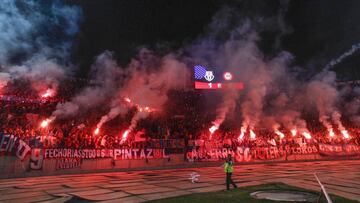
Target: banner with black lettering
339	150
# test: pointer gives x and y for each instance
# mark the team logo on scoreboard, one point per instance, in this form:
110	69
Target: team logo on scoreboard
209	76
201	72
228	76
225	82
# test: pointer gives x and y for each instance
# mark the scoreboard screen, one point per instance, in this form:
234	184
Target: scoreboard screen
206	78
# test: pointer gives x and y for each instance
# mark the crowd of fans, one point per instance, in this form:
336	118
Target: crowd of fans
267	138
22	112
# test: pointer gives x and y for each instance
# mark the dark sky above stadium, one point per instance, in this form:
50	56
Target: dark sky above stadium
313	31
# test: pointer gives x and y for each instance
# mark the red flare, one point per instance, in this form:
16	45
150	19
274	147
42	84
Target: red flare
331	132
213	129
127	99
145	109
48	93
252	134
124	136
280	134
139	108
306	135
345	134
97	130
45	123
242	134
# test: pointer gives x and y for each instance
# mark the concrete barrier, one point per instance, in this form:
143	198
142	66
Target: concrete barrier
12	166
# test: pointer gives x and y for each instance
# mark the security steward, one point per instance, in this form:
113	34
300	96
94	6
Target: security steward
228	168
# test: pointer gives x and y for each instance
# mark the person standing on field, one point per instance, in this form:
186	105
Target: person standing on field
228	168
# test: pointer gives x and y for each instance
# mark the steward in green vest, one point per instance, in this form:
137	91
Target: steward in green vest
228	168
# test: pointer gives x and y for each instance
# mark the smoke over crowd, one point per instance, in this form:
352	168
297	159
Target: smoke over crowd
36	44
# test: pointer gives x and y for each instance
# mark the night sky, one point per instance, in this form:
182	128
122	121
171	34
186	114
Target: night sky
316	31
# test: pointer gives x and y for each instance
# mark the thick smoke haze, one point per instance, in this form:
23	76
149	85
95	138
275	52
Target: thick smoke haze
35	41
147	81
274	97
105	74
323	93
36	45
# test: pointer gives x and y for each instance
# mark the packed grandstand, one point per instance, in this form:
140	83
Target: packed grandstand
24	113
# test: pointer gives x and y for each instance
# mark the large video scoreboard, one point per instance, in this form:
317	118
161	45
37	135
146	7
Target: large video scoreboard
206	78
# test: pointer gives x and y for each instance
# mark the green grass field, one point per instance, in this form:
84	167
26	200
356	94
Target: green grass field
242	195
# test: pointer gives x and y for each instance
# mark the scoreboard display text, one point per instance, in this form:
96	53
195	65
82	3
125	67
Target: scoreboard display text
215	80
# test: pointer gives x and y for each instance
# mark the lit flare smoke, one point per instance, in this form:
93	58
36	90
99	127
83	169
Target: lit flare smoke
281	135
345	133
214	128
121	109
26	30
242	133
111	115
104	74
45	123
146	86
338	60
336	116
48	93
307	135
4	79
228	104
125	136
96	132
331	133
252	135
